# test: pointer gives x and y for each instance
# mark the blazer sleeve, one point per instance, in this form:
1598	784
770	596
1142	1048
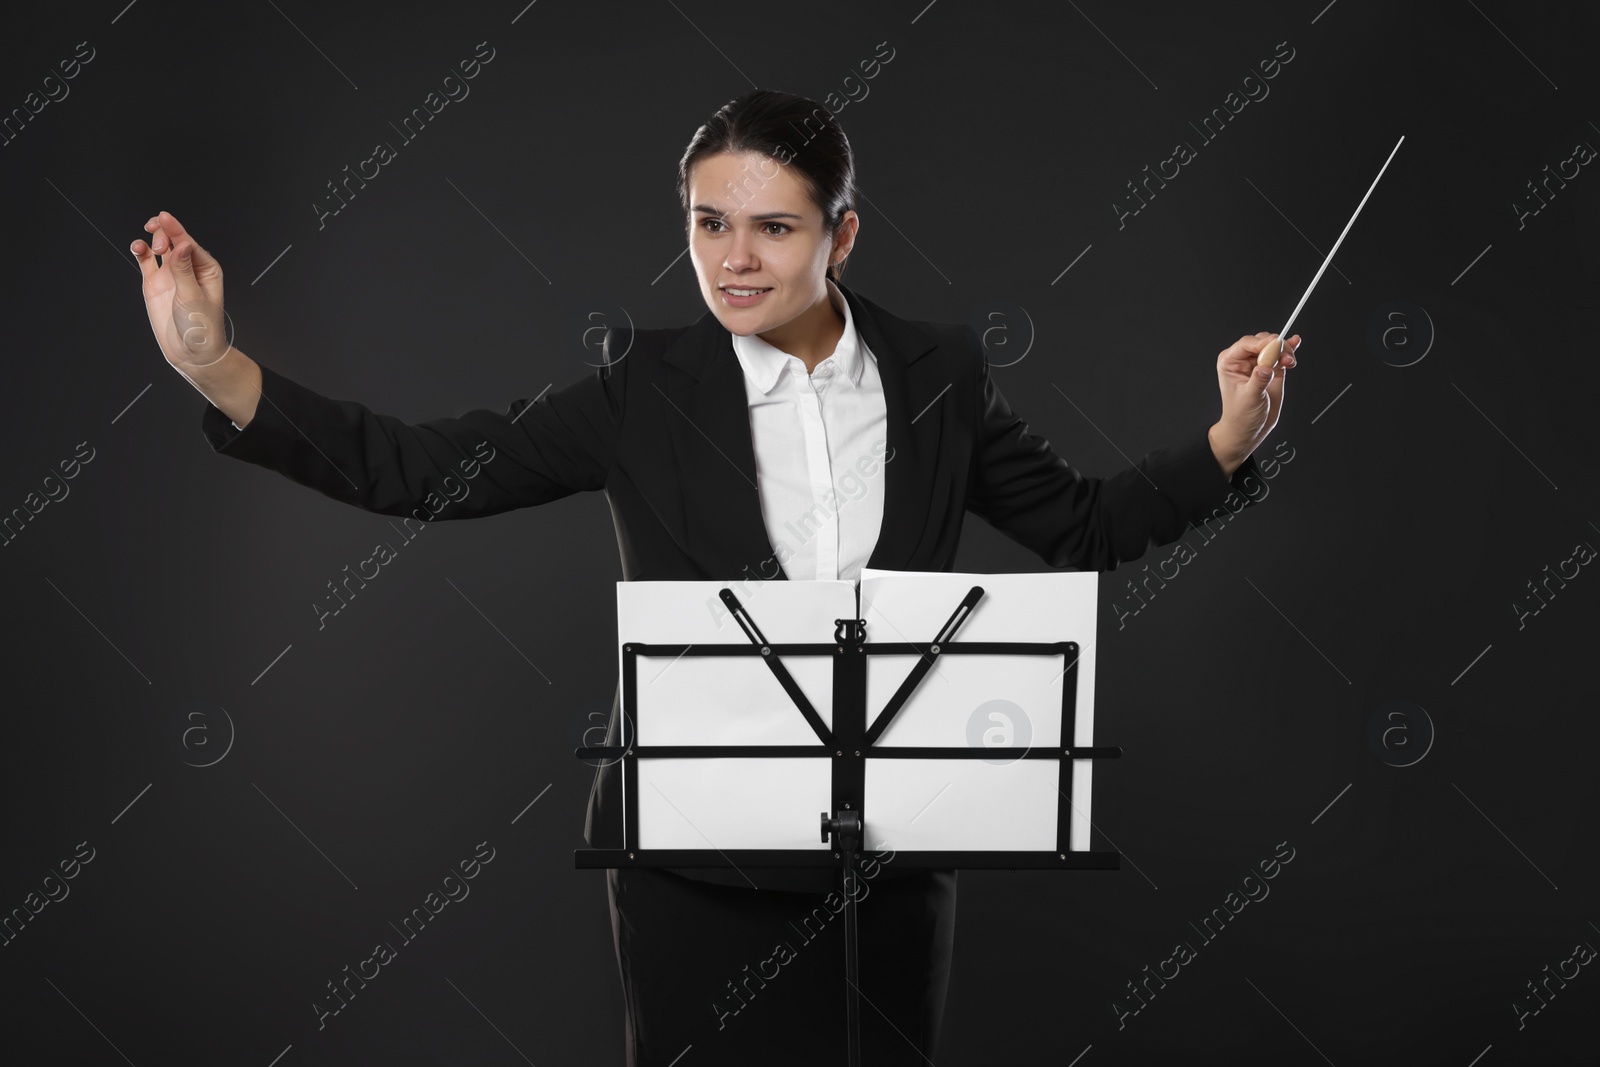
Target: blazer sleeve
480	463
1026	491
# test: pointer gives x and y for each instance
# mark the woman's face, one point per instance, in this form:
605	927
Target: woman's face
752	226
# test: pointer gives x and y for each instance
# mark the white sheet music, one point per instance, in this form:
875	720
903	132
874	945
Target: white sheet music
1008	703
730	700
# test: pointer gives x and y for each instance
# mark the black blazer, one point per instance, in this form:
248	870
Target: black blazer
664	432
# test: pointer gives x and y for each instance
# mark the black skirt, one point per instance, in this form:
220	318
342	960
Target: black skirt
757	976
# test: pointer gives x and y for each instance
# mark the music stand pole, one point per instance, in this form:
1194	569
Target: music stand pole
847	839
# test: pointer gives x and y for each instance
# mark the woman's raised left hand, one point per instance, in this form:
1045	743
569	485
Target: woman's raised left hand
1252	397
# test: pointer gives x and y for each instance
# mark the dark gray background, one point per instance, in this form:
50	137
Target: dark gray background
428	715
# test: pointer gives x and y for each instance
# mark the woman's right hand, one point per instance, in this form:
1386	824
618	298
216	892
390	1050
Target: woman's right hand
182	295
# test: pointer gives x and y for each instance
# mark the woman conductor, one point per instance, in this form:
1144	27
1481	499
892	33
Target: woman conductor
708	441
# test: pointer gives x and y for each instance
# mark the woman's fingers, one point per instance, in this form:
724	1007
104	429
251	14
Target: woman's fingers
194	260
1244	357
195	272
170	223
146	258
178	235
1241	356
182	264
165	232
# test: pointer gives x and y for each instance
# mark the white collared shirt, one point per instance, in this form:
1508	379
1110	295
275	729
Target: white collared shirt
820	443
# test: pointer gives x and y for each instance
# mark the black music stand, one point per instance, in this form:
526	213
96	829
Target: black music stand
850	743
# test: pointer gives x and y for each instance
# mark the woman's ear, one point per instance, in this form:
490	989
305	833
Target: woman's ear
843	244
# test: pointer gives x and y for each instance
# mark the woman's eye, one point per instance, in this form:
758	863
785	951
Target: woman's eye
707	223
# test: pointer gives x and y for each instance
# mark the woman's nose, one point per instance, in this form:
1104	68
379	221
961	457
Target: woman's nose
740	256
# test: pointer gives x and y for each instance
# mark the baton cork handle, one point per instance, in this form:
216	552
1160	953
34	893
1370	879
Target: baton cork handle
1269	353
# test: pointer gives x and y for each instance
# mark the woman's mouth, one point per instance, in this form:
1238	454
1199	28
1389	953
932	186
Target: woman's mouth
742	296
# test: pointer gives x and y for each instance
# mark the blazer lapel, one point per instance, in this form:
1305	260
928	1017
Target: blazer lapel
915	427
708	430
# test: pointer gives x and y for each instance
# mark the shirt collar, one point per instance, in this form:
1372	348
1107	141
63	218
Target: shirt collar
764	364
